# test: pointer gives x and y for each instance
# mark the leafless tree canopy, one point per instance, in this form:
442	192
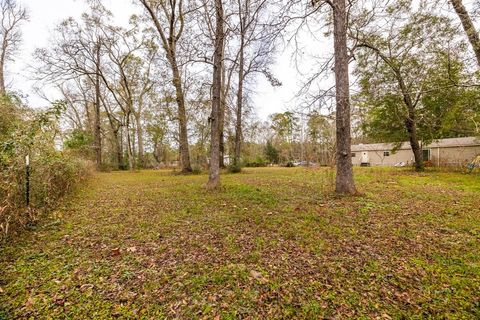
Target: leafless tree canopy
12	16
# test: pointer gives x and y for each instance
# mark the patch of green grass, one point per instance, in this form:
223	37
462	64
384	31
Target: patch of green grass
272	243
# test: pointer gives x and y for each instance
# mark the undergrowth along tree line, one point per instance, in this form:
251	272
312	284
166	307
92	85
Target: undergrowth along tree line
26	132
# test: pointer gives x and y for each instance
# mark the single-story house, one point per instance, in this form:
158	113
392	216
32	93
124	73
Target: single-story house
443	152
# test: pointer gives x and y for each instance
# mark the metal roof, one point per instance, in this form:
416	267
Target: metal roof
441	143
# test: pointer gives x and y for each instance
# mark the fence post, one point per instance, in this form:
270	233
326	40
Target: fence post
27	180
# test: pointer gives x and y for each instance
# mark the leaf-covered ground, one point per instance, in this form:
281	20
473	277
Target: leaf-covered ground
272	243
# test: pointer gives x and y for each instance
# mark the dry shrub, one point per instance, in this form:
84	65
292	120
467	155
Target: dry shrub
53	172
52	176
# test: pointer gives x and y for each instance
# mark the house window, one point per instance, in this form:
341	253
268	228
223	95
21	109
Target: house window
353	154
426	154
386	153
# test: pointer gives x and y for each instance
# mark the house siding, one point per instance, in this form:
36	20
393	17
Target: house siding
377	158
439	155
454	156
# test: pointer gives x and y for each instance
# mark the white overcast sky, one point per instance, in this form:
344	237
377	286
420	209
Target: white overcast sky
45	15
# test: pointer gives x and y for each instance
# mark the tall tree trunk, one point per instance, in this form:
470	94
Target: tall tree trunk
122	147
468	26
2	67
182	119
214	172
118	147
221	119
141	148
411	124
88	115
133	141
156	152
344	179
97	133
131	158
169	43
116	128
239	111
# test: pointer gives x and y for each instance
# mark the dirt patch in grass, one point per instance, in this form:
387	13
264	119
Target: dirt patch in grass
272	243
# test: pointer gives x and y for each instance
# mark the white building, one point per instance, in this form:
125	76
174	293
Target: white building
443	152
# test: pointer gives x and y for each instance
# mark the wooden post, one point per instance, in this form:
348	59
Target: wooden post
27	180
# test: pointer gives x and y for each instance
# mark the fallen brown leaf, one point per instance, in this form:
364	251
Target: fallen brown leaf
115	252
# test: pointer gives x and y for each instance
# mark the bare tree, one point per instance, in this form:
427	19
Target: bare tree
97	127
256	45
117	63
127	78
203	44
214	172
340	13
13	15
80	48
169	20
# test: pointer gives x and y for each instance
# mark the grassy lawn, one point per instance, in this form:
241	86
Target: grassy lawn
272	243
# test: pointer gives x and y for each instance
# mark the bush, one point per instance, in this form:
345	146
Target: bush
258	162
79	142
271	152
197	170
234	168
53	173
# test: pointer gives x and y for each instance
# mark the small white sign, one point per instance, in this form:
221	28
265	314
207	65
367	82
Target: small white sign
27	160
